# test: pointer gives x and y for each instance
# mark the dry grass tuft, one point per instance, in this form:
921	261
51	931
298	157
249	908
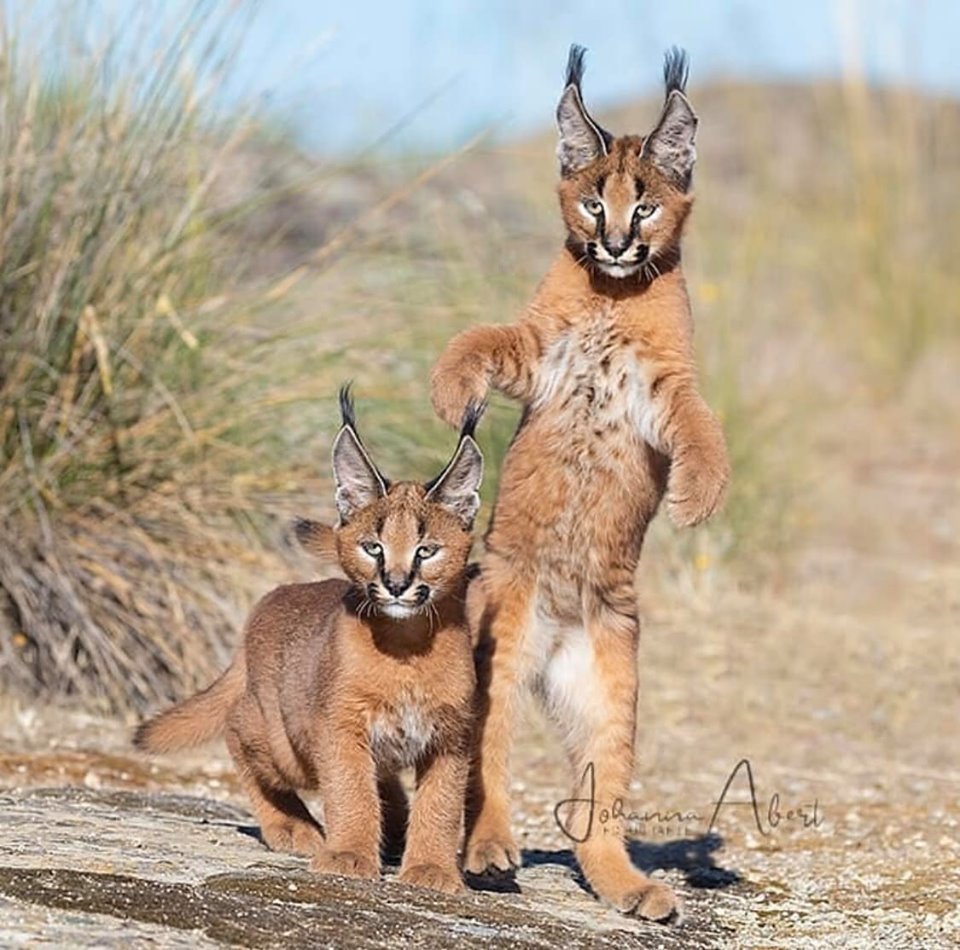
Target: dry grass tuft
119	382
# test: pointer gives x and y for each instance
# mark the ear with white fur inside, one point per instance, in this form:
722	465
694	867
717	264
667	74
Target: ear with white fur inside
582	141
670	146
359	482
457	487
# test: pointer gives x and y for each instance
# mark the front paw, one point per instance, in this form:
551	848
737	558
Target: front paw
497	854
452	389
697	486
433	876
346	864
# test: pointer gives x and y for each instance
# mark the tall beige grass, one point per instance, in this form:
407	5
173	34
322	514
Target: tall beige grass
119	379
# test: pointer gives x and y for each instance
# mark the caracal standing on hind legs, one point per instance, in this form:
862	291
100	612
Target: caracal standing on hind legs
603	363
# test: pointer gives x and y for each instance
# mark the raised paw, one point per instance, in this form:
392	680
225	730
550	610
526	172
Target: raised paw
453	388
697	486
345	863
434	877
492	854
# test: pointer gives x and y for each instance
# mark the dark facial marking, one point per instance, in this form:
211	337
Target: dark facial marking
639	185
601	181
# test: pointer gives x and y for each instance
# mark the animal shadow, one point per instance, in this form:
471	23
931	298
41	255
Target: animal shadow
497	882
693	857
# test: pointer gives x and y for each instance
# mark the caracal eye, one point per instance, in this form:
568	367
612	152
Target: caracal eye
593	206
645	210
426	551
373	548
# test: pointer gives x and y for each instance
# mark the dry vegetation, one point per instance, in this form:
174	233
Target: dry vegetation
124	476
166	403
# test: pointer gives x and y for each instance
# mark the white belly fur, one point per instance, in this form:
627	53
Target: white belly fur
564	677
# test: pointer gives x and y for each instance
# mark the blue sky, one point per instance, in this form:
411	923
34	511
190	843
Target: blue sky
340	74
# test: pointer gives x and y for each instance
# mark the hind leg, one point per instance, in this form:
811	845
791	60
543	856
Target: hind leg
500	621
591	688
285	823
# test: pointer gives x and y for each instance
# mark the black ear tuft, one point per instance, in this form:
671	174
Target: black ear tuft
471	417
676	70
346	406
575	65
582	141
359	481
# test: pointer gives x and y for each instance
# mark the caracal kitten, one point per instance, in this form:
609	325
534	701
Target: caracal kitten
341	684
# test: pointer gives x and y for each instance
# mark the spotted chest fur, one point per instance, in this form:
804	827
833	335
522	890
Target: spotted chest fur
592	383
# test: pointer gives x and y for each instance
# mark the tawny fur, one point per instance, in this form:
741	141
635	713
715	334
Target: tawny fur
331	694
198	719
613	421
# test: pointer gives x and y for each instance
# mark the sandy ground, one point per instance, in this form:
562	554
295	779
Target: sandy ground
101	846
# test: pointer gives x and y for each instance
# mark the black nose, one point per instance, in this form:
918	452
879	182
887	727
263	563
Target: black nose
615	249
396	584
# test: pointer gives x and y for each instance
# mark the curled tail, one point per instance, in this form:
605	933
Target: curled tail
198	719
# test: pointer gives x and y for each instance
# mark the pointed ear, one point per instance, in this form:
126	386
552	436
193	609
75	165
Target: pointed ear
670	146
358	482
582	141
457	488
